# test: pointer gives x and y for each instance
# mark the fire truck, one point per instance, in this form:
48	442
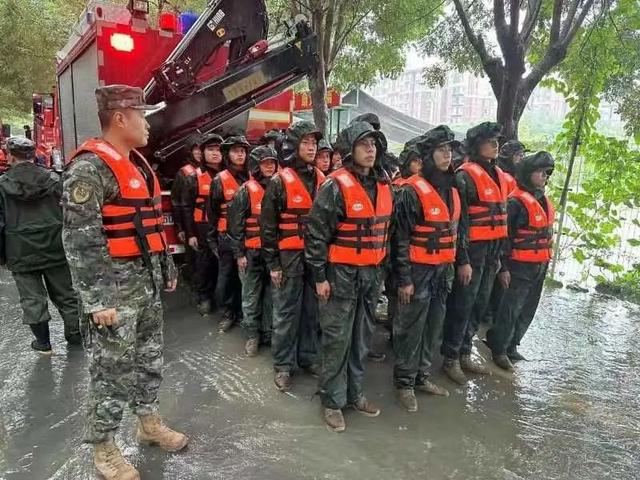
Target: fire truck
215	71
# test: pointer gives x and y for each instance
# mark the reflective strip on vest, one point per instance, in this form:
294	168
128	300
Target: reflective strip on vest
204	186
533	244
433	240
252	226
133	221
229	188
487	217
292	220
361	237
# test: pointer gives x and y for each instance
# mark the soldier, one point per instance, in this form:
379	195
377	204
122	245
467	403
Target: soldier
426	214
235	150
194	193
526	257
511	154
180	187
31	244
336	158
346	245
323	157
285	206
244	230
117	252
483	227
270	138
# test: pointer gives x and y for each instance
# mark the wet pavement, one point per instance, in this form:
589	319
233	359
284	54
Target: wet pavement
571	412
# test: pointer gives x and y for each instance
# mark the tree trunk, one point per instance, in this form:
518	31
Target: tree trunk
318	89
511	104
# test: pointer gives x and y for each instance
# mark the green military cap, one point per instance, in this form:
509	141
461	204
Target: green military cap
112	97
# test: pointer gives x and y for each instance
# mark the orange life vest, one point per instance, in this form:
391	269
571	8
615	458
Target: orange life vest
398	182
488	217
433	240
133	221
511	182
188	170
533	244
252	227
229	188
292	220
204	186
361	237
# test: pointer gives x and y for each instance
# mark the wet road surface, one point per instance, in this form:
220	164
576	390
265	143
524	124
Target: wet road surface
570	412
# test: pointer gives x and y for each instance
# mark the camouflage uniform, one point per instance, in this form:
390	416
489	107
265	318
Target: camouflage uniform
126	360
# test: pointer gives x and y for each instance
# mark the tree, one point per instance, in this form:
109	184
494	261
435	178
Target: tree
357	40
533	37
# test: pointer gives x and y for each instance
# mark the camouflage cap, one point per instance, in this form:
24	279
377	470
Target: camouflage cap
112	97
21	147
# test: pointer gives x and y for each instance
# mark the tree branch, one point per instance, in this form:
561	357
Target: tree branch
339	42
530	20
514	14
573	8
573	29
555	22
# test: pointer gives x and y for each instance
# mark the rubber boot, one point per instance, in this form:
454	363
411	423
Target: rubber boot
503	362
251	347
334	420
407	399
515	356
431	388
451	367
471	365
110	463
42	343
153	431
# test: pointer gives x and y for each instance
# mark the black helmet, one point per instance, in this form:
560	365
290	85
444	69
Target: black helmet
21	147
271	135
511	148
370	118
233	141
356	131
211	139
440	135
324	144
529	164
292	137
259	155
410	152
480	133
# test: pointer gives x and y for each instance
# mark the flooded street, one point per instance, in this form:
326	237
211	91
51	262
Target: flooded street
571	412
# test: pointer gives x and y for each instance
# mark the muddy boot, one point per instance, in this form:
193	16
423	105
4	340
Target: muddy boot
283	381
251	347
110	463
451	367
367	408
204	307
407	399
503	362
227	322
153	431
431	388
42	343
471	365
334	419
515	356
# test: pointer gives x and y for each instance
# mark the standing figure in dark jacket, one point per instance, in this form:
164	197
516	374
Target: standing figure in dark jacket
285	207
346	246
235	151
426	215
31	243
182	187
244	230
526	257
483	191
323	156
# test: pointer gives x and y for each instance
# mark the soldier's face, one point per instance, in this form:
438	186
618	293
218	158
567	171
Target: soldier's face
196	153
442	156
364	152
336	160
213	156
489	149
323	161
268	168
540	177
415	165
308	148
517	158
133	127
237	156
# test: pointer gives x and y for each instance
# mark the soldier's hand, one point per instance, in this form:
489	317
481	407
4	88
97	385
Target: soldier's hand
405	293
505	279
193	242
182	237
323	290
171	285
276	278
106	318
464	274
242	265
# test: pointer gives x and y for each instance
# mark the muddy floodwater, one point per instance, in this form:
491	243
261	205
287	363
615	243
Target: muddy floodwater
571	412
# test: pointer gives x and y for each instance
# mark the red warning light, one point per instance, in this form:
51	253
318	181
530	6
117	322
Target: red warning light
122	42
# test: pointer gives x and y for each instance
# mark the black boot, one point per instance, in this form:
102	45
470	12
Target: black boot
514	355
42	343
